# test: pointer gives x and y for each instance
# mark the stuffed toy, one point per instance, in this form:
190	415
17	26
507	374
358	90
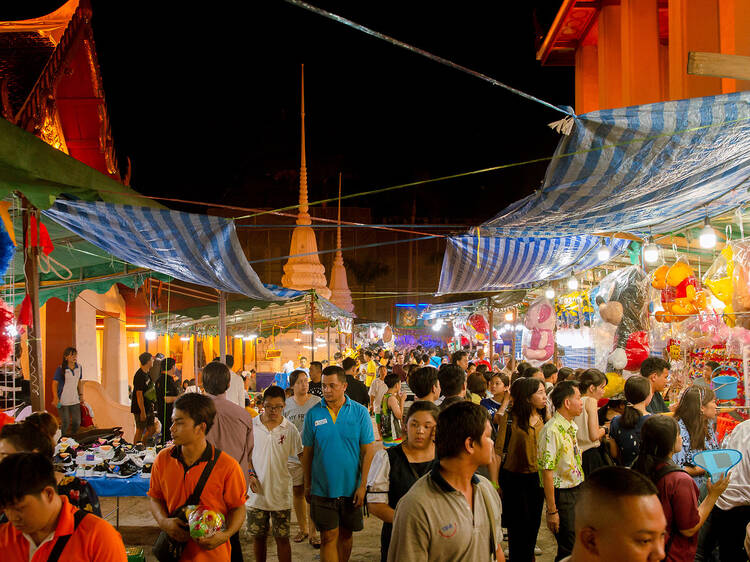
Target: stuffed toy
741	284
718	279
680	293
540	320
625	309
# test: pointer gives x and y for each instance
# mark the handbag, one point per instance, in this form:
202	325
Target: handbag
166	549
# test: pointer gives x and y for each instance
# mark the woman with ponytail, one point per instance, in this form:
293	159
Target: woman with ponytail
678	493
625	430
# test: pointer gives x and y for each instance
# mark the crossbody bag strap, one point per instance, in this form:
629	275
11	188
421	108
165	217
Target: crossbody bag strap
62	541
491	519
195	497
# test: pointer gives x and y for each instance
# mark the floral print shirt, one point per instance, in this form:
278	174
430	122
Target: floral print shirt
80	494
685	457
558	450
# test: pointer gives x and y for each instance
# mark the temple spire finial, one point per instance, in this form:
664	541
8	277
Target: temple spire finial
303	216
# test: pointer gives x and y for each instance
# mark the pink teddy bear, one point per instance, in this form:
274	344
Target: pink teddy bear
540	319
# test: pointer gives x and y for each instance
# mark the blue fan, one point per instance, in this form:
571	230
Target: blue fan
717	462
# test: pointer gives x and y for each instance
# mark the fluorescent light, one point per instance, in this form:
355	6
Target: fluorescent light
707	237
320	340
185	338
307	332
238	336
134	344
550	293
150	335
298	339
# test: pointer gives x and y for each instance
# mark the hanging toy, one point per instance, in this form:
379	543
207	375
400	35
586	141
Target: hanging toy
540	320
681	295
718	279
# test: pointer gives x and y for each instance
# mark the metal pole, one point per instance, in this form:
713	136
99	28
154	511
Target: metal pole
490	317
312	326
222	326
328	338
34	335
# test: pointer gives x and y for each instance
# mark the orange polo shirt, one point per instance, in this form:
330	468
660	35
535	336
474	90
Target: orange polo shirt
172	481
95	540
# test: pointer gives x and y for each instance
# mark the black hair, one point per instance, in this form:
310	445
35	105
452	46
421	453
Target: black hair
561	392
228	360
591	377
548	369
637	390
653	365
199	408
347	363
564	374
294	375
658	437
713	364
317	364
425	358
521	392
44	422
216	378
368	353
145	357
457	422
610	483
452	379
482	368
456	356
25	474
421	406
476	384
422	380
391	380
505	379
66	353
274	391
521	367
168	364
27	437
335	370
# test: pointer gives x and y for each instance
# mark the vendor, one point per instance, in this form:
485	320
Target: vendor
707	373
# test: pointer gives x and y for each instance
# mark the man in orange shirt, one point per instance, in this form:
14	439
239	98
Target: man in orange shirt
42	525
176	472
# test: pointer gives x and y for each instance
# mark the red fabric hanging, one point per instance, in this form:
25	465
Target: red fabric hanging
24	315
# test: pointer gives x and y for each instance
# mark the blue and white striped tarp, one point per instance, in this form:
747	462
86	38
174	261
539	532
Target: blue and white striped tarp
199	249
644	169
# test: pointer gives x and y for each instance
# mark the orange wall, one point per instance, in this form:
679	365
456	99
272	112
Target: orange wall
58	336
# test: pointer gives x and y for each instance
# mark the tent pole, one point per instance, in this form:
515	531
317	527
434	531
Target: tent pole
490	317
328	339
222	326
34	337
312	326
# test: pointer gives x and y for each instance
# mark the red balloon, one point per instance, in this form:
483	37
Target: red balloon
479	323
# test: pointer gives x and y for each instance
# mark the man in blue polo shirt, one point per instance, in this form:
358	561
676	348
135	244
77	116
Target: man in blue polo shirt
338	449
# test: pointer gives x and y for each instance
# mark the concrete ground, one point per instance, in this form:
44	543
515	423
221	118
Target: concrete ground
139	529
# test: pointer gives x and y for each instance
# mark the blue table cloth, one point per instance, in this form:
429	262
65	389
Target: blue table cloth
110	487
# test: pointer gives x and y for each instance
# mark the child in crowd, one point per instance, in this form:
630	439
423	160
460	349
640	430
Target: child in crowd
391	411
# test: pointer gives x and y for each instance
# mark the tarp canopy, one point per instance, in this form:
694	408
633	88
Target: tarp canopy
654	168
199	249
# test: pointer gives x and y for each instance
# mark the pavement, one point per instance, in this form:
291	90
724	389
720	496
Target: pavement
138	528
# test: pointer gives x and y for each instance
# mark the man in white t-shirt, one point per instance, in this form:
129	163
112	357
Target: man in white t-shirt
275	440
236	391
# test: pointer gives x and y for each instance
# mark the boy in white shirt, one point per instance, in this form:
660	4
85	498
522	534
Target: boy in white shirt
270	496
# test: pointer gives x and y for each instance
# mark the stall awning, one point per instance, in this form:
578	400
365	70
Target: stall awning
654	168
199	249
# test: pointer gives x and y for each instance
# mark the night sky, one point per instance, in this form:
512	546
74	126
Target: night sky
204	99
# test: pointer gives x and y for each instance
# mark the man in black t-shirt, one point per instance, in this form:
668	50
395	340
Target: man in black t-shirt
142	408
355	389
316	372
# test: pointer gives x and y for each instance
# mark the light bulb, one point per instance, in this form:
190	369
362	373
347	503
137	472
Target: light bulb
306	332
651	252
550	293
707	237
509	316
150	335
603	254
572	283
437	325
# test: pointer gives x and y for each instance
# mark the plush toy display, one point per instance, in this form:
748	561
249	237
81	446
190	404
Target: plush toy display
622	302
741	284
680	293
540	320
204	522
718	279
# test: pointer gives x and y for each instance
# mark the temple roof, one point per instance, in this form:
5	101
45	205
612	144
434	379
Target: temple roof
22	58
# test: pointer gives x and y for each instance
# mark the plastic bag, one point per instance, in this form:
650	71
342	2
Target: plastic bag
204	522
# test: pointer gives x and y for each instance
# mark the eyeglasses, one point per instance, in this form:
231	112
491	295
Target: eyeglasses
273	408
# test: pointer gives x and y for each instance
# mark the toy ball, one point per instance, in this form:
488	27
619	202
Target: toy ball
204	522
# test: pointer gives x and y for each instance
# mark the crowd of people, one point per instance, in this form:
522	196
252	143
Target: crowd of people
453	453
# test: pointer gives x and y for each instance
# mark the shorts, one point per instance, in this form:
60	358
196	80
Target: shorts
144	425
297	473
257	522
331	513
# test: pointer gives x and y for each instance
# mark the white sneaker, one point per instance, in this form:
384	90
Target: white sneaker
537	550
506	552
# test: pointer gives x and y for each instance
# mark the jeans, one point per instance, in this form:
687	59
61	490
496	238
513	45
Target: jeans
71	418
565	501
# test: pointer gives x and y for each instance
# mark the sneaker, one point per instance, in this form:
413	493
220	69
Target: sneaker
146	471
100	470
119	457
122	470
65	461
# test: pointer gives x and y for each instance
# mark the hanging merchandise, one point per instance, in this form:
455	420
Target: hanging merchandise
622	302
718	279
478	327
706	329
7	332
680	293
741	284
540	320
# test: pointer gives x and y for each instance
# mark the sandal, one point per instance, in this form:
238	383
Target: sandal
315	542
300	537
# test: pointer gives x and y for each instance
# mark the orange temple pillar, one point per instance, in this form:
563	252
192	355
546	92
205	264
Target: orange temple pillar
640	51
610	62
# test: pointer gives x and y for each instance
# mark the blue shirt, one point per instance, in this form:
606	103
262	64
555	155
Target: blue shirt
335	465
